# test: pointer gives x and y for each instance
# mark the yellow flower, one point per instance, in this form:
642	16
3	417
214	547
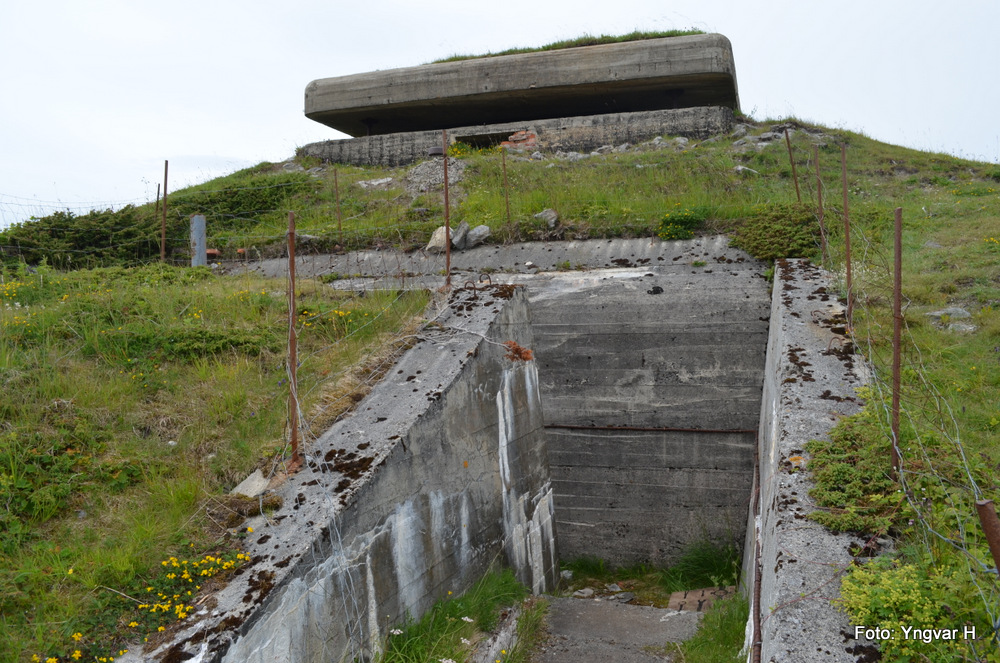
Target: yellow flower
70	572
77	636
161	629
249	530
77	654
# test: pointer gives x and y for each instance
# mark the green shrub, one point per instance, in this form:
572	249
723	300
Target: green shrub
778	231
851	471
887	594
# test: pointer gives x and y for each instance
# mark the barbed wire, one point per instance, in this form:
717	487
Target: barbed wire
927	412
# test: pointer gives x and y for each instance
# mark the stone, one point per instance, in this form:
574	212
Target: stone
584	593
458	236
953	313
931	244
613	587
438	238
681	141
537	156
252	486
375	184
477	236
566	574
740	131
549	216
625	597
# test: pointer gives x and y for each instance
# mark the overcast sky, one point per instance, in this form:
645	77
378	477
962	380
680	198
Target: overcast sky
95	95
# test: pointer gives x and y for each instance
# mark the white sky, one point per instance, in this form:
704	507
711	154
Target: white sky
96	94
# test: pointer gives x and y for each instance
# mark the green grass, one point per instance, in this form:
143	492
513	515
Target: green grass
451	629
128	398
720	636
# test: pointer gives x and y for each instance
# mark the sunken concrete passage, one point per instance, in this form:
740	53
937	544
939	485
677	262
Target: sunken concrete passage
810	382
651	386
654	74
566	133
612	354
440	472
599	630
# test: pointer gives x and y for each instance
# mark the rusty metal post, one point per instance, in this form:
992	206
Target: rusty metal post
447	218
791	159
293	395
897	332
156	215
506	193
163	222
991	528
819	203
847	238
336	195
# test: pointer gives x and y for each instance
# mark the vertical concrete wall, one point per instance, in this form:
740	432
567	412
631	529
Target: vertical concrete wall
810	382
674	342
569	133
440	473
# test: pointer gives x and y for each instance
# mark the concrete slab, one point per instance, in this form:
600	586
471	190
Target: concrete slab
675	72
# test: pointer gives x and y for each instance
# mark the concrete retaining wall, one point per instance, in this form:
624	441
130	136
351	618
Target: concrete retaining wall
440	472
581	134
810	382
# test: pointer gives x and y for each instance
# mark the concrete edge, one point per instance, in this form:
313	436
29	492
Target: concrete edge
810	383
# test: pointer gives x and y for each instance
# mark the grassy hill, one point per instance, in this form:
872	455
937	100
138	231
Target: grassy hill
135	394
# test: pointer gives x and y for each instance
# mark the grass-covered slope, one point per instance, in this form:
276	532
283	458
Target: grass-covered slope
134	394
131	400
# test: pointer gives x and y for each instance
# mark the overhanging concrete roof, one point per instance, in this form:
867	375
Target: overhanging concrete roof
653	74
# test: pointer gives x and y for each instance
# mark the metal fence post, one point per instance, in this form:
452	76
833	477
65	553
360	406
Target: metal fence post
897	331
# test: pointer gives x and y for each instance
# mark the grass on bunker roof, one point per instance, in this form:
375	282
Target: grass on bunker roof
576	42
84	401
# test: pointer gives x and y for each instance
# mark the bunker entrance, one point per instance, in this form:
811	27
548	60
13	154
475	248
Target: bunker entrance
651	389
484	141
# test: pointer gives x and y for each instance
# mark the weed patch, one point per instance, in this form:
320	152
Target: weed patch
778	231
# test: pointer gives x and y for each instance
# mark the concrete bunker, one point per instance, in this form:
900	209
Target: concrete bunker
570	99
472	456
